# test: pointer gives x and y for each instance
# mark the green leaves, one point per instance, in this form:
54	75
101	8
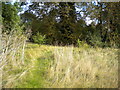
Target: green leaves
10	17
38	38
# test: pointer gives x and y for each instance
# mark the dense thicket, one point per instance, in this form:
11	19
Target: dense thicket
65	22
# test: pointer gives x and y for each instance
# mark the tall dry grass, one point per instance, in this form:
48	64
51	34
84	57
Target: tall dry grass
84	68
12	58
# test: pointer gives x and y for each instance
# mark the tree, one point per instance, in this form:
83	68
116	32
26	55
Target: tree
61	22
107	17
10	17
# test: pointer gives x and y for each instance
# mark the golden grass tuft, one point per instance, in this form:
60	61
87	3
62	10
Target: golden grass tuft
83	68
12	58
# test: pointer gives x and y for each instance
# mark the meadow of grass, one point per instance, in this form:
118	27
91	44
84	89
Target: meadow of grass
84	68
69	67
44	66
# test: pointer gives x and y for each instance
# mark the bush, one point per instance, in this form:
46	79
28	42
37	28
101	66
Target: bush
38	38
96	40
82	44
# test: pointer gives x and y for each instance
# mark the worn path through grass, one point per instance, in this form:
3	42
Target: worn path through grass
38	59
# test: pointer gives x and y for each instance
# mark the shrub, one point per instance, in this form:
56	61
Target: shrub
38	38
96	40
82	44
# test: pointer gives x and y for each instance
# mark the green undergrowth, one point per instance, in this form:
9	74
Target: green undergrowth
38	59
